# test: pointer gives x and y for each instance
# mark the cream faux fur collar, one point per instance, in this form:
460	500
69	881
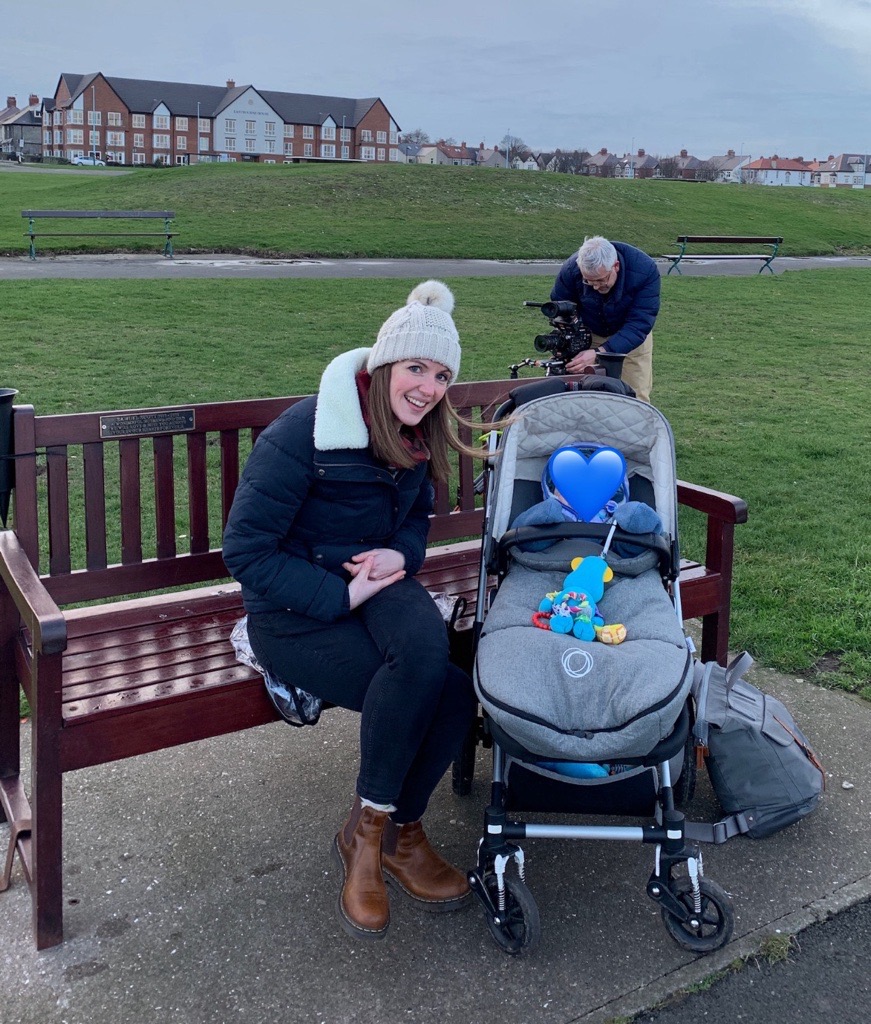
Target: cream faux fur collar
338	417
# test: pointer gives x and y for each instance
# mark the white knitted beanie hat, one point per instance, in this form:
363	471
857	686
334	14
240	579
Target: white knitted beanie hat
422	329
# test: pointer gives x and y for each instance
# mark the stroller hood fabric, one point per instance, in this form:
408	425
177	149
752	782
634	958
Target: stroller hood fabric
565	698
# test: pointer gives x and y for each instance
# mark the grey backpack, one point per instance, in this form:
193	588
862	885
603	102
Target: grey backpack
763	770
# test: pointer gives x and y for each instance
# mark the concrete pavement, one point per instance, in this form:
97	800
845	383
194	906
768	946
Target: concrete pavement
198	888
228	265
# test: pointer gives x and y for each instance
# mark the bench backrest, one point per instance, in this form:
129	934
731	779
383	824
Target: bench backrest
132	214
117	503
729	239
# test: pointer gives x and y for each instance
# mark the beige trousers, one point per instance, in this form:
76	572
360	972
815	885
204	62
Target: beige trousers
637	366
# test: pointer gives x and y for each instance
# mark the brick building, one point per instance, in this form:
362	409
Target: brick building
135	121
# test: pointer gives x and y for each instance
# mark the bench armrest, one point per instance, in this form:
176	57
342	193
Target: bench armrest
715	504
37	608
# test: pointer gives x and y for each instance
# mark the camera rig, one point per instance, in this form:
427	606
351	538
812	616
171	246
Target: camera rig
568	339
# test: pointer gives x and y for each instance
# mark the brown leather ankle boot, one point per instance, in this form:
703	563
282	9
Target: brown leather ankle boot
409	862
363	908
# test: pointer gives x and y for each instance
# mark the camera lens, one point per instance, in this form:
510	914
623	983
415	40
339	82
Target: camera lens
544	342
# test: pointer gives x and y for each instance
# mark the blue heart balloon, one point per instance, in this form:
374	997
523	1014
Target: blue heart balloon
587	483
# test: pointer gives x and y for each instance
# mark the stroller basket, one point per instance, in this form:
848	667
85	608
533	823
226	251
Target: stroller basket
580	727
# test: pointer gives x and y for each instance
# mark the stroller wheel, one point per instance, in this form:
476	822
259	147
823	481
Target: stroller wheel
709	930
519	929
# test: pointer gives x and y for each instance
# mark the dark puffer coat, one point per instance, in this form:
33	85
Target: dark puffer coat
300	512
626	314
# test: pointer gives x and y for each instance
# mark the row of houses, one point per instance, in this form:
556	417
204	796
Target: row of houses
849	170
136	121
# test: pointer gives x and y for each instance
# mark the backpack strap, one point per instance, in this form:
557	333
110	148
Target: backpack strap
718	833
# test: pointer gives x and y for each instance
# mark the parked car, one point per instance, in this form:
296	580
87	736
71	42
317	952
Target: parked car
87	161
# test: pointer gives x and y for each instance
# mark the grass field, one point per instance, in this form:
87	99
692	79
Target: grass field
763	380
416	211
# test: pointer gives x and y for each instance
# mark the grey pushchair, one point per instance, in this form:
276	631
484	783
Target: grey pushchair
580	727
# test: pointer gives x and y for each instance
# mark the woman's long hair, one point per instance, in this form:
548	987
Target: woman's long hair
438	427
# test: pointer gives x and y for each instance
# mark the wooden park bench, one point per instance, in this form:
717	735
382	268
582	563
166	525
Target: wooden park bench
111	505
165	215
773	243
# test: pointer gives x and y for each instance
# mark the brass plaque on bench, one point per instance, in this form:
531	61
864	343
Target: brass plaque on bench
145	424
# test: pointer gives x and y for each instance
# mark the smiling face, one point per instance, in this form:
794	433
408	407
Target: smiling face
416	388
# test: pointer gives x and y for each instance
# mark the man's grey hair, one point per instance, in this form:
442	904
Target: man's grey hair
595	255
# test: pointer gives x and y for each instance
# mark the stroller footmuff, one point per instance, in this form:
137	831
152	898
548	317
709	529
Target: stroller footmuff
579	726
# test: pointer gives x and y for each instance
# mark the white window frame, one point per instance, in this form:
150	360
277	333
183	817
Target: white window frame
250	145
114	138
328	150
288	131
394	138
139	140
269	130
160	142
138	120
394	154
365	135
308	131
161	122
288	149
138	158
250	127
181	142
367	152
95	117
307	149
230	125
346	152
181	124
74	116
205	125
93	138
345	134
231	143
113	118
270	146
382	155
75	137
381	137
328	131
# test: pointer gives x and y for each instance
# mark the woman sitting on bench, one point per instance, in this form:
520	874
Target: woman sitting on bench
327	529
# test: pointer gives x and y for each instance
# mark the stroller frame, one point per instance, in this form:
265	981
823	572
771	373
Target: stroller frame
696	912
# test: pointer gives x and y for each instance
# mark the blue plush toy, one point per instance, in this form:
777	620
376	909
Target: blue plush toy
573	609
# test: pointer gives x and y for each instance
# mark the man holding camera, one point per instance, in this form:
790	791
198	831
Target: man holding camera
616	289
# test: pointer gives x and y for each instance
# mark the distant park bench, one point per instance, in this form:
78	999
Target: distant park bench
684	240
165	215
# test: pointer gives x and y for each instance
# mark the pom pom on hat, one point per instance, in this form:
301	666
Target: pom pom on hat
422	329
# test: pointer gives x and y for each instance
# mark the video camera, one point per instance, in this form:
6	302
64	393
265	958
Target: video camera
568	339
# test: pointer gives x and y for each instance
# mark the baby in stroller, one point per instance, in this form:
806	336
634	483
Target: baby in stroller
580	726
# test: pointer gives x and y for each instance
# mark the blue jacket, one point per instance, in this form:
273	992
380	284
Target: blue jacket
300	511
626	314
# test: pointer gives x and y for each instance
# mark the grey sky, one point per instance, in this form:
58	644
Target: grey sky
790	77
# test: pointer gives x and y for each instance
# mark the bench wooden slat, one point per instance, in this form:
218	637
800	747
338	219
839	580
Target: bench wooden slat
229	471
118	214
198	494
95	507
730	239
58	509
164	496
131	500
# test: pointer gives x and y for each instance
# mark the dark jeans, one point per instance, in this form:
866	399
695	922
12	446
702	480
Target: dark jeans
388	660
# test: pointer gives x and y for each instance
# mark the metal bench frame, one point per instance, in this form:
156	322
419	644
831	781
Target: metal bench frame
767	257
166	216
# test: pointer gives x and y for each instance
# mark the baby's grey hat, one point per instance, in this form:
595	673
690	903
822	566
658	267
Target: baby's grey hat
422	329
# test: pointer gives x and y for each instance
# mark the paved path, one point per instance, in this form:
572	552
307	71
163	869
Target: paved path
147	266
